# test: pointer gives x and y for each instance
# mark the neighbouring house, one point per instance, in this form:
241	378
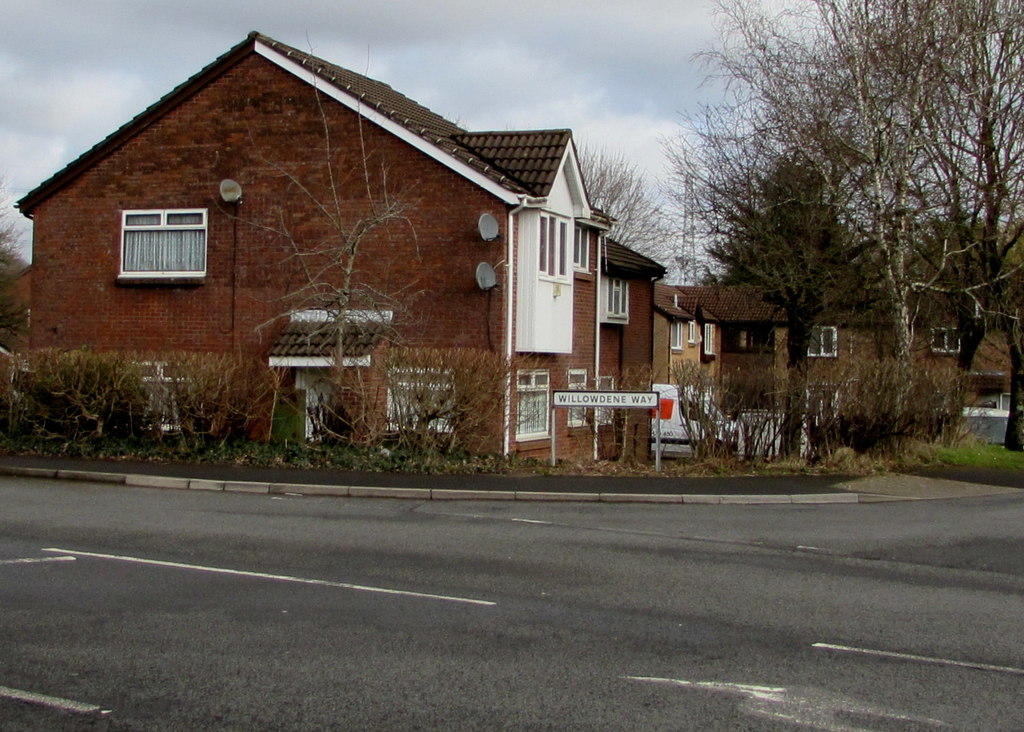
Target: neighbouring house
281	206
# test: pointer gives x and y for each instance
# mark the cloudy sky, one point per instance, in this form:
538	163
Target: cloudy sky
618	74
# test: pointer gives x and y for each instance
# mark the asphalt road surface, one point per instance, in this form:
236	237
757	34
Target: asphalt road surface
138	609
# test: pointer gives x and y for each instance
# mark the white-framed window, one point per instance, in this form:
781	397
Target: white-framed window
692	336
577	379
603	415
824	342
158	381
163	243
945	340
532	404
581	249
709	339
676	335
420	398
617	298
554	246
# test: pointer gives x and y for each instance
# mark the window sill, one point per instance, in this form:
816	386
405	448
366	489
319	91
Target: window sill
131	281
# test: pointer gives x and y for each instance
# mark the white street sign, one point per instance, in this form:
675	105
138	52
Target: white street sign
606	399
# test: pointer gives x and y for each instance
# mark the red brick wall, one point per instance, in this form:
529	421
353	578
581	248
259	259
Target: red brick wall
262	127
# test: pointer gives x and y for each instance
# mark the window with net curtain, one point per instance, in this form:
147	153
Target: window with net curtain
156	243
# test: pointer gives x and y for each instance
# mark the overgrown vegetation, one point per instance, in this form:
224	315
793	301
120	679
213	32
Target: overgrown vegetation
440	411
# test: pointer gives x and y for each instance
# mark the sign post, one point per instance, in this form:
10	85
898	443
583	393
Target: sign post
605	400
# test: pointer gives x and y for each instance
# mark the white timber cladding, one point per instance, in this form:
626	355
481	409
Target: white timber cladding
544	309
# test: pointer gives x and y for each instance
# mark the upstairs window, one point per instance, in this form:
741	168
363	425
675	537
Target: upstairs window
554	246
691	333
824	342
709	339
617	300
168	243
945	340
581	250
676	334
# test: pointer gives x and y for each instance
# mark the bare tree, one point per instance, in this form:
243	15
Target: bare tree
846	85
976	151
13	313
329	213
620	188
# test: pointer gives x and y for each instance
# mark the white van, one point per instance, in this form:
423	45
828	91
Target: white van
675	431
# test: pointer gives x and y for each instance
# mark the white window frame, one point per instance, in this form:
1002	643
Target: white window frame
676	335
709	339
166	226
950	341
816	347
581	249
533	383
692	334
617	298
415	385
577	379
553	247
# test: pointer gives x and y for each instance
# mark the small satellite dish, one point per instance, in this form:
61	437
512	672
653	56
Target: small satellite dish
230	191
488	227
486	279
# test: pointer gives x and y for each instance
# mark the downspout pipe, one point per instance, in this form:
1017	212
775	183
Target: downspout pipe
510	270
597	331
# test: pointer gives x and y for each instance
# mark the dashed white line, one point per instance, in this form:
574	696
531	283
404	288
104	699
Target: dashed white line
530	521
275	577
920	659
54	702
37	560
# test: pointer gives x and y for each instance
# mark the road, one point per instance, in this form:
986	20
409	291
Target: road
139	609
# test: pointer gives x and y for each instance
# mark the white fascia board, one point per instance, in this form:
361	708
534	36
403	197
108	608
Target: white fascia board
574	179
387	124
307	362
315	362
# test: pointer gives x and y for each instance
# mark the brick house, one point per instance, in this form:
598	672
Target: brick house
274	190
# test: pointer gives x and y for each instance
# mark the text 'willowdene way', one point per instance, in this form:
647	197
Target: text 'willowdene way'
619	399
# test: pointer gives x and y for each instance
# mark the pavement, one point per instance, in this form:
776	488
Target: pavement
942	483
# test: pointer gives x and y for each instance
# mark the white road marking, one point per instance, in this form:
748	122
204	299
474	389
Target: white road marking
54	702
530	521
37	560
921	659
807	707
275	577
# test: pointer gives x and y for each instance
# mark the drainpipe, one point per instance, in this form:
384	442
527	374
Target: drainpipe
597	333
510	268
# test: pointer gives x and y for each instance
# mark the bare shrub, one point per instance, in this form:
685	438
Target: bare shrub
82	394
873	405
753	398
422	399
218	396
701	409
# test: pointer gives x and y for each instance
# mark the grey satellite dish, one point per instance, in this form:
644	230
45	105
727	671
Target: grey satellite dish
488	227
230	191
486	279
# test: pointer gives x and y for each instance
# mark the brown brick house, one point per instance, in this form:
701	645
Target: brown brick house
274	189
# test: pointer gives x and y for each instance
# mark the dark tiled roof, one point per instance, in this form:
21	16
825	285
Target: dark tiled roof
531	157
668	301
622	261
304	339
732	304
